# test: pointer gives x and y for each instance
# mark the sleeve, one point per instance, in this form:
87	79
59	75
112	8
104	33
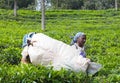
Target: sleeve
79	63
25	52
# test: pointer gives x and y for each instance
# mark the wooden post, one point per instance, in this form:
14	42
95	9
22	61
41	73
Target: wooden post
43	14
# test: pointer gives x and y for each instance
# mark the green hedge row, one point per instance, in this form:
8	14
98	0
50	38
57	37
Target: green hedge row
102	46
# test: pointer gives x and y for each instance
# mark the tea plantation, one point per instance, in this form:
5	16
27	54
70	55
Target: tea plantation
102	28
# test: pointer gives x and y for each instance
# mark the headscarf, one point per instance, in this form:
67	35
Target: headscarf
27	36
74	40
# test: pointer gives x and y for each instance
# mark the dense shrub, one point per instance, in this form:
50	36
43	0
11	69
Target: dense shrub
102	46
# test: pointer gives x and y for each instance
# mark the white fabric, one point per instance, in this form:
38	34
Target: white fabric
79	50
51	52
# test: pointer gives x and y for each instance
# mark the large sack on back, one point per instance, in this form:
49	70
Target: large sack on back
51	52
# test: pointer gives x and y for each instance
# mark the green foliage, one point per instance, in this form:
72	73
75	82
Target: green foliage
84	4
38	74
62	4
102	46
9	4
101	4
67	4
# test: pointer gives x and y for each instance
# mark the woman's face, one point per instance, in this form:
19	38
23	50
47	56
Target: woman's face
81	40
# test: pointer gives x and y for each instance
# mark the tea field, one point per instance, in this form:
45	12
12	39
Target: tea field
102	28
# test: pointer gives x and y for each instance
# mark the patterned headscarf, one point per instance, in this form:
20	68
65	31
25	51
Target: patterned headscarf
74	40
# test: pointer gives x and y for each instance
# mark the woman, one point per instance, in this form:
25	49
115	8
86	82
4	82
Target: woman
78	43
47	51
25	45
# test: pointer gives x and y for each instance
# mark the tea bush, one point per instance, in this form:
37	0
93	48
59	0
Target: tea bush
102	45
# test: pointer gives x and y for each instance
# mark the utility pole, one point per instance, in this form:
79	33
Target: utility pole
43	14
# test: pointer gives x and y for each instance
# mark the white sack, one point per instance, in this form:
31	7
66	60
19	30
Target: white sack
51	52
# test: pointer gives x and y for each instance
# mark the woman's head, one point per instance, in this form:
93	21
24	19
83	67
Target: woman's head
79	38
